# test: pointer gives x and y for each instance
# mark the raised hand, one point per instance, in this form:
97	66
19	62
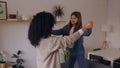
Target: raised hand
88	25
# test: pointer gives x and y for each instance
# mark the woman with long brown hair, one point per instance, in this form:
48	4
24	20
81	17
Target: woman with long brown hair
77	51
47	46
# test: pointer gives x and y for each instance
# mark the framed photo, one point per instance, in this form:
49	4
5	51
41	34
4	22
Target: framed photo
3	10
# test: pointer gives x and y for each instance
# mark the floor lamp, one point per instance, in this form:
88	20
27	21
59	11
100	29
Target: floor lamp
105	28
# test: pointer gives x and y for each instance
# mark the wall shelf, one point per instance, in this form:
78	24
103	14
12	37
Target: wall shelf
15	21
22	21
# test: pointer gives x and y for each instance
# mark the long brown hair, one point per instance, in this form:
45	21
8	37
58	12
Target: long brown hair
77	25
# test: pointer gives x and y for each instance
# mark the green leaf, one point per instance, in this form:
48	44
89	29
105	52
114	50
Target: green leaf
19	61
66	55
15	56
19	52
1	12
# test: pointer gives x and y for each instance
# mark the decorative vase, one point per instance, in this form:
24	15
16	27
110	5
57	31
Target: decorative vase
58	18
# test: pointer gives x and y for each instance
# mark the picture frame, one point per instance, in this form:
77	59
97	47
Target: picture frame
3	10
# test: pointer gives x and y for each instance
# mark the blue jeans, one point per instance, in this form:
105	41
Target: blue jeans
80	59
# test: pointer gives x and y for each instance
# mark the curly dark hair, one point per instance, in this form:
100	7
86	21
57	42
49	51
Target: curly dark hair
40	27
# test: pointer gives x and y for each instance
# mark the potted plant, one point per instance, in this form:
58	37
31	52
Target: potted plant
2	60
19	61
58	12
66	58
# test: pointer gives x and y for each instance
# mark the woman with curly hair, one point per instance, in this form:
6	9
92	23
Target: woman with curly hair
47	46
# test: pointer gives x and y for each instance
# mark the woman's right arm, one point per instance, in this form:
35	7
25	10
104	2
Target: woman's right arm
67	41
60	31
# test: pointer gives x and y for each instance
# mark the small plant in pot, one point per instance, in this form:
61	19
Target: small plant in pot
19	61
58	12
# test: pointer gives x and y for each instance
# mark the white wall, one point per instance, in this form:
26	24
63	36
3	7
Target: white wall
13	36
114	20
